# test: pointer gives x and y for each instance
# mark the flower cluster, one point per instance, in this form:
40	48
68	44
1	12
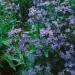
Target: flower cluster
54	34
13	7
15	31
50	49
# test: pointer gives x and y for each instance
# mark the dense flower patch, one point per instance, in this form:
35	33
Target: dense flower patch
48	47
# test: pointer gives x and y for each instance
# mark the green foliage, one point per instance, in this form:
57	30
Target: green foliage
7	21
72	4
10	50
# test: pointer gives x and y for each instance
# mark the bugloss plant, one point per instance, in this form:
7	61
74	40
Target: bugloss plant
7	22
54	21
49	47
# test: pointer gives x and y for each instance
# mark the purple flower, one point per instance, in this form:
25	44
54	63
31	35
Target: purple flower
48	68
12	32
23	37
71	19
67	30
55	23
66	56
53	2
9	49
44	12
60	73
22	48
69	64
31	72
31	21
38	68
31	58
55	46
46	3
39	16
72	72
12	7
38	52
57	30
17	30
32	11
43	32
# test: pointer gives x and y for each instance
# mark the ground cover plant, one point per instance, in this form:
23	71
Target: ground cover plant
37	37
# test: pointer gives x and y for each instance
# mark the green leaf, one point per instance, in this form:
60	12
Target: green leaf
9	58
6	42
71	38
46	53
72	4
